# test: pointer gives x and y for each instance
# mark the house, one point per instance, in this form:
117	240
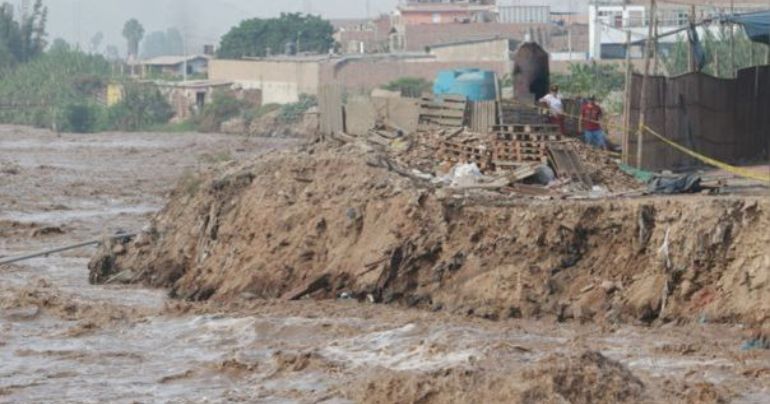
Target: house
415	12
609	20
187	98
367	36
173	66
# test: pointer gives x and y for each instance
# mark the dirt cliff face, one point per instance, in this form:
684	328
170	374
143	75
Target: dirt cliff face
321	222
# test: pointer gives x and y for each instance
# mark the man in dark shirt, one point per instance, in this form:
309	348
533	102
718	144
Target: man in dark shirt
590	118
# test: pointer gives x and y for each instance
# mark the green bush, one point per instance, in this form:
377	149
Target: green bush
256	113
292	113
223	106
142	107
410	86
590	79
49	88
82	118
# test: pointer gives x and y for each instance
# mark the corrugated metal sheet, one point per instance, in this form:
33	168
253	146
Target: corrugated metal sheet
524	14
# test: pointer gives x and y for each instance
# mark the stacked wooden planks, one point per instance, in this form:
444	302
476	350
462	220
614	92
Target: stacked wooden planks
449	111
512	112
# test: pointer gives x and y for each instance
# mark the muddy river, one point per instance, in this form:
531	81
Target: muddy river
63	340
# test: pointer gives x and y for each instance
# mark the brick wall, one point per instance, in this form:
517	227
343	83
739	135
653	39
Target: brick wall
362	76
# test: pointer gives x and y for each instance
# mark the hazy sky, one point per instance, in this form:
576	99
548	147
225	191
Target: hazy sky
206	20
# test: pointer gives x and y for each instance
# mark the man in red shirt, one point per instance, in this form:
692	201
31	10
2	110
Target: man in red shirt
590	121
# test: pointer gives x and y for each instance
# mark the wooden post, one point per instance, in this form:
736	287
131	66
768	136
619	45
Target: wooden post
732	40
645	79
691	55
627	102
655	48
767	55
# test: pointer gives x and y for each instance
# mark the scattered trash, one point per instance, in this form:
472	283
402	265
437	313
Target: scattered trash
544	175
756	343
464	175
684	184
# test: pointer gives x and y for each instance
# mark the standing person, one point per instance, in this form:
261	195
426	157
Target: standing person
590	117
555	107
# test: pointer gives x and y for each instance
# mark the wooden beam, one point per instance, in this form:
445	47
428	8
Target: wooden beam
655	48
645	79
691	54
627	101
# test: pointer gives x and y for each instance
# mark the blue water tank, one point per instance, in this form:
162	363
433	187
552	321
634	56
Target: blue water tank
473	84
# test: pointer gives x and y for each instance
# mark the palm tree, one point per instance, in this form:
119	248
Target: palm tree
133	32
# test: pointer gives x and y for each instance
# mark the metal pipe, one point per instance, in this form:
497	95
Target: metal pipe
11	260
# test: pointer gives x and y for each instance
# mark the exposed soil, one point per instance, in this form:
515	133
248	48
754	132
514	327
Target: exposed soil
65	340
326	221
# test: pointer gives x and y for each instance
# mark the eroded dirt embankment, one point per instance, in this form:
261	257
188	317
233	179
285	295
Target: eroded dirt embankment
322	222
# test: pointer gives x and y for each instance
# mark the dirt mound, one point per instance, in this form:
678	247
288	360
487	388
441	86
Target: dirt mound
321	222
587	378
272	124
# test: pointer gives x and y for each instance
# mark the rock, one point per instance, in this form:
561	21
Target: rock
119	249
609	287
687	289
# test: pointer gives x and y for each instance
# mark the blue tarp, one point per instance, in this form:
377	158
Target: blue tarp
757	25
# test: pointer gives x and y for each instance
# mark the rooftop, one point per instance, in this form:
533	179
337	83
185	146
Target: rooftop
171	60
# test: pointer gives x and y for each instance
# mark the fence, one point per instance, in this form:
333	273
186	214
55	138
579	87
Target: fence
725	119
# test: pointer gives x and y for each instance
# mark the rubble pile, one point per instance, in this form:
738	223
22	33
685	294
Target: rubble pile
377	220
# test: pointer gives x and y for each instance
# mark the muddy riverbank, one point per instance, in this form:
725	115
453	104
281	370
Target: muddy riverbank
64	340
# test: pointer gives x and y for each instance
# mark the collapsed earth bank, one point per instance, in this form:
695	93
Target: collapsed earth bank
324	223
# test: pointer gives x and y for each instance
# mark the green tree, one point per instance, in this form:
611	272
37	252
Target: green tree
160	43
590	79
23	39
716	47
133	31
96	42
256	36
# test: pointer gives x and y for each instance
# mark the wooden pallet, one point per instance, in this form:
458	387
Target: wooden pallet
447	111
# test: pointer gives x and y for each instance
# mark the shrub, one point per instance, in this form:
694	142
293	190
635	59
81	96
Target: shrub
223	106
142	107
409	86
82	118
291	113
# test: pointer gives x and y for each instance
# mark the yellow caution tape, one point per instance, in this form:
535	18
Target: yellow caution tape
741	172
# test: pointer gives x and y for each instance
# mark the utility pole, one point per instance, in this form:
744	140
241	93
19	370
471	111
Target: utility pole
645	79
